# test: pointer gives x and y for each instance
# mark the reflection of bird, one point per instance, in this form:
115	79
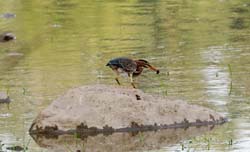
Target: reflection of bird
130	67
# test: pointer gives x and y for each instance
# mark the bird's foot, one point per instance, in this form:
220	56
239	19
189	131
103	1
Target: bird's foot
133	85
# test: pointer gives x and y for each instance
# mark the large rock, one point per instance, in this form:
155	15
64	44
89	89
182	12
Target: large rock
101	108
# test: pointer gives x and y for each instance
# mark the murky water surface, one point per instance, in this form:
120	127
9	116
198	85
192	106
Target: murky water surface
201	47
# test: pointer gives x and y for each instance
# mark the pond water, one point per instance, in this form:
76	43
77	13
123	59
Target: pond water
201	47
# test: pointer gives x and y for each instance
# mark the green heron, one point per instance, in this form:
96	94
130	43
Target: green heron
130	67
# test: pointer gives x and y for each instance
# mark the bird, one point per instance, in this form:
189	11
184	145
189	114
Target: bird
132	68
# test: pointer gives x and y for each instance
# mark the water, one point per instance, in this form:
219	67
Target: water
201	47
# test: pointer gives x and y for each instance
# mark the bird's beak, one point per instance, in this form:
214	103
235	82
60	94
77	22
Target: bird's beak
154	69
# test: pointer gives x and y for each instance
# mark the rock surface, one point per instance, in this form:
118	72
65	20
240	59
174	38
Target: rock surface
114	108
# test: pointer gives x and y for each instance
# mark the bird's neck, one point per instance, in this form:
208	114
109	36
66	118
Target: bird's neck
140	63
138	70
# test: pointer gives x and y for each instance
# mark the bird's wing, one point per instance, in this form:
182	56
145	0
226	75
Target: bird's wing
127	64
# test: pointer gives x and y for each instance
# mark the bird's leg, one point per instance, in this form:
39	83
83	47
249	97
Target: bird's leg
117	80
131	80
117	76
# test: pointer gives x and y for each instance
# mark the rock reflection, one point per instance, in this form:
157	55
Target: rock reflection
217	78
119	141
